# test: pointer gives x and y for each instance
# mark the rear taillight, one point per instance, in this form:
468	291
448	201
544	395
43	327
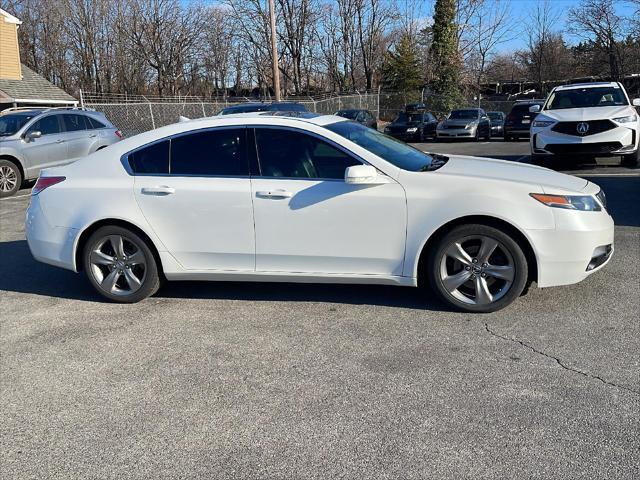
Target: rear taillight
46	182
509	118
119	134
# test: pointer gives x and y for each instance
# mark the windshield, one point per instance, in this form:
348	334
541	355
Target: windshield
350	114
408	118
586	97
10	124
495	115
393	151
463	114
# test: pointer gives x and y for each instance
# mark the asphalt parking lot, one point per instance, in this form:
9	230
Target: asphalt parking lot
233	380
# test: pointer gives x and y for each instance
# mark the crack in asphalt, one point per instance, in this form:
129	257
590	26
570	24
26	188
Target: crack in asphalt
558	361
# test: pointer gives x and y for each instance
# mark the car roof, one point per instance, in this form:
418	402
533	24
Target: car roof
309	117
588	85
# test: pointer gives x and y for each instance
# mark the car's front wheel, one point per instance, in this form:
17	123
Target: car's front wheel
120	265
10	178
477	268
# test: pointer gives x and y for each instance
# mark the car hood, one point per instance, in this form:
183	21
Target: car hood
510	171
585	114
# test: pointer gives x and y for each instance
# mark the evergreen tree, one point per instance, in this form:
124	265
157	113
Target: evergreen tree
445	57
401	68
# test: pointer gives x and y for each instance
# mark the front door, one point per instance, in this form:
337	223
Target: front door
194	191
308	220
49	150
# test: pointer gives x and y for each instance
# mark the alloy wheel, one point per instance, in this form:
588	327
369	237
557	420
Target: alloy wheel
8	179
477	270
118	265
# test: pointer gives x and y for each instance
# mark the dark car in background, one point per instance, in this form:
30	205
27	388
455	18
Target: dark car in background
497	123
365	117
469	123
415	124
517	123
264	107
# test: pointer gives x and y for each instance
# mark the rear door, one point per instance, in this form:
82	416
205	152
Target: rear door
76	135
195	192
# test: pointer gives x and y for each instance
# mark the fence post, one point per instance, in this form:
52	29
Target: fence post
203	113
153	121
378	102
81	100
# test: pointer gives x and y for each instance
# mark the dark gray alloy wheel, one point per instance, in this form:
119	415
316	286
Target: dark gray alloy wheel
120	265
10	178
477	268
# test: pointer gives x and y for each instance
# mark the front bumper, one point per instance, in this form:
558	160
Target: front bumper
405	136
614	142
49	244
456	132
581	244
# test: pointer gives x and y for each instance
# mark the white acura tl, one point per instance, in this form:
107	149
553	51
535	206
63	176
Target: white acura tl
308	198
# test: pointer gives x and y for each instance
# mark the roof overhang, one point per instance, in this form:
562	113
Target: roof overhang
38	101
9	18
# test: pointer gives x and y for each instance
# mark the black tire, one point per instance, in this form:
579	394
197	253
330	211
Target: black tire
10	178
508	138
631	160
476	138
148	277
506	255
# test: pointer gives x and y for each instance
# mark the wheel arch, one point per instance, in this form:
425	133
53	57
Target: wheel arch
17	162
87	232
490	221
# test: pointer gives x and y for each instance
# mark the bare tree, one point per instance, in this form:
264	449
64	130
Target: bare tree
598	21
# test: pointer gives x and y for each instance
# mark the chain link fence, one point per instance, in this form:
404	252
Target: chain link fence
137	114
134	114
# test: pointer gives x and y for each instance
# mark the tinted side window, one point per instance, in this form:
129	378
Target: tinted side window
213	152
47	125
153	159
290	154
93	123
73	122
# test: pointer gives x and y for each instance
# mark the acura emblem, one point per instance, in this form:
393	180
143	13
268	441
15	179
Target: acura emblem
582	128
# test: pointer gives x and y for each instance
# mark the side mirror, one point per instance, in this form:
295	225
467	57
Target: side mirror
534	108
363	175
636	102
32	135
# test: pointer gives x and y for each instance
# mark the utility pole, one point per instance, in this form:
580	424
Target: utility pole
274	51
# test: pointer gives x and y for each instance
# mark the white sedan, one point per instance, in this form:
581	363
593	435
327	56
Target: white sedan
309	198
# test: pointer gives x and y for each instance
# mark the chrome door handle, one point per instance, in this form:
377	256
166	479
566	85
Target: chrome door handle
160	190
93	135
274	194
59	141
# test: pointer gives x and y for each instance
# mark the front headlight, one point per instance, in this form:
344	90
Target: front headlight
542	123
627	119
412	130
471	125
440	126
386	129
585	203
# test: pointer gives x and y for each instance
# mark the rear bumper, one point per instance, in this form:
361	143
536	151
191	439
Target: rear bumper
49	244
519	131
581	244
405	137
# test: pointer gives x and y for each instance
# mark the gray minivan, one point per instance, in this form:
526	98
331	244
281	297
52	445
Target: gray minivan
33	139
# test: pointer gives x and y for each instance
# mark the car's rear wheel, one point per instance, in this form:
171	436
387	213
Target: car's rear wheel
120	265
631	160
477	268
10	178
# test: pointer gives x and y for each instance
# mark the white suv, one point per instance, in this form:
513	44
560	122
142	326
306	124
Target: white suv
586	120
